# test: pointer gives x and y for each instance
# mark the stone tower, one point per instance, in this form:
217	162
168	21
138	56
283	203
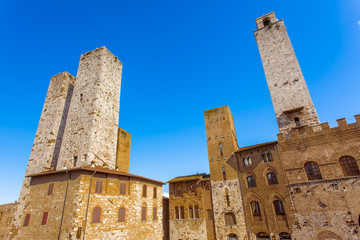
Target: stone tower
226	195
92	125
123	150
290	96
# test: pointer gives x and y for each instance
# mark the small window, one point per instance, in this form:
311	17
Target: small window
45	218
177	213
221	149
27	220
51	188
143	213
349	166
191	212
182	214
144	191
279	208
230	219
122	215
223	173
155	192
266	22
154	213
196	211
255	208
271	177
75	160
251	181
313	171
267	157
98	186
122	188
297	122
96	215
247	161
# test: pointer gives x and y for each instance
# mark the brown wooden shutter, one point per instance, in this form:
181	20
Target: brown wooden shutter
123	188
122	215
98	187
155	192
143	213
27	220
45	218
96	215
154	213
144	190
51	187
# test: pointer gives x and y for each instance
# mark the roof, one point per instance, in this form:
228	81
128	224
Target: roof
255	146
94	169
199	176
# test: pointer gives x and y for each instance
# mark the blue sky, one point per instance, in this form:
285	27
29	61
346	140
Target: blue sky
179	59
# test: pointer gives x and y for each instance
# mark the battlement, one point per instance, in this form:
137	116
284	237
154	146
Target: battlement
322	129
215	111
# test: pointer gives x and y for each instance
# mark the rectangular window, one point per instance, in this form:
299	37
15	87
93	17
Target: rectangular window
143	213
44	218
98	186
50	189
122	188
154	213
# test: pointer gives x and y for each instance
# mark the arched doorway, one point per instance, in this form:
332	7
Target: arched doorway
262	236
232	237
285	236
328	235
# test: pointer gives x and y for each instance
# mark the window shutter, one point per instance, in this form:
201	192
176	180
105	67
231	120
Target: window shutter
122	215
143	213
96	215
27	220
154	213
45	218
51	187
122	188
98	186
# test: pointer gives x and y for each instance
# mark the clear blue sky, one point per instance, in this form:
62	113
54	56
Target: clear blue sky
179	59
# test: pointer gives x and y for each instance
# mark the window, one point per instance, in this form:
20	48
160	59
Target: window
223	173
271	177
44	218
312	171
27	220
227	197
196	211
267	157
122	188
155	192
349	166
191	212
297	122
221	149
279	208
266	22
230	219
255	208
98	186
178	189
122	215
232	237
251	181
143	213
177	213
154	213
50	189
247	161
182	215
75	160
96	215
144	190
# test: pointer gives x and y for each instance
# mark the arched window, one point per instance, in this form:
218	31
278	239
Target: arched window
123	188
98	186
144	190
96	215
221	149
271	177
232	237
266	22
27	220
313	171
191	212
255	208
143	212
154	213
246	162
223	173
267	157
349	166
251	181
196	211
230	219
155	192
122	215
279	208
177	213
182	213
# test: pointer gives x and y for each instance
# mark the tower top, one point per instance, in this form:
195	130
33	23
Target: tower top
266	20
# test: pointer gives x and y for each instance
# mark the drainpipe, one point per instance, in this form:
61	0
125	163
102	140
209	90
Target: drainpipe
63	210
87	205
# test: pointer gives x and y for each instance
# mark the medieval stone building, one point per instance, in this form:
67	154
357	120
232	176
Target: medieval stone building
305	185
77	183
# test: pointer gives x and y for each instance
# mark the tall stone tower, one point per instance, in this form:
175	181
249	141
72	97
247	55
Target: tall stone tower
290	96
92	125
226	195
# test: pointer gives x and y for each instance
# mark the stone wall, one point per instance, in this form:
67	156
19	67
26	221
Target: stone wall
188	229
7	213
123	150
288	90
92	124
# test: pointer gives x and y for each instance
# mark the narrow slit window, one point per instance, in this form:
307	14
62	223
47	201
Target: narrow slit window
297	122
98	186
50	189
221	149
27	220
122	215
223	173
45	218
